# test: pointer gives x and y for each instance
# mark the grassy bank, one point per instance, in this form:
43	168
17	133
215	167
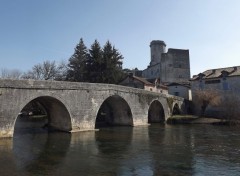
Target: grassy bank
191	119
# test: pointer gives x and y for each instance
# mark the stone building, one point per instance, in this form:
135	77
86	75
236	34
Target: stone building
180	89
170	66
224	81
141	83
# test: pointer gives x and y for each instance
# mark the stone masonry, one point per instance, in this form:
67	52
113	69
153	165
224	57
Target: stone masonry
74	106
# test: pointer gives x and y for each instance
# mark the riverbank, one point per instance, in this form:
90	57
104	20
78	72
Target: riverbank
192	119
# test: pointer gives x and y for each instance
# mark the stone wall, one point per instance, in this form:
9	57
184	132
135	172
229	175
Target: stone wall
152	72
228	89
175	66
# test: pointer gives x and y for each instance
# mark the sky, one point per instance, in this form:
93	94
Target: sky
33	31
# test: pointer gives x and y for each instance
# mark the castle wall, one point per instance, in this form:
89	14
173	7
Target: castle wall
175	66
151	72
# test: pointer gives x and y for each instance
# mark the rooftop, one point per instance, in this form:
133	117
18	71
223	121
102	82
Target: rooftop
219	72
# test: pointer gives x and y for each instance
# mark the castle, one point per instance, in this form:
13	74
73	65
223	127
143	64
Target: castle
168	72
172	66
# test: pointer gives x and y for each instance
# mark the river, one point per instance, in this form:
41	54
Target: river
144	150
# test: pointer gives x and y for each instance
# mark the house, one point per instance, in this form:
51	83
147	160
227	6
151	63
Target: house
225	84
223	79
181	89
142	83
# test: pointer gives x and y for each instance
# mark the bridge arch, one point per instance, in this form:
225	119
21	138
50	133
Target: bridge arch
156	112
58	116
176	110
114	111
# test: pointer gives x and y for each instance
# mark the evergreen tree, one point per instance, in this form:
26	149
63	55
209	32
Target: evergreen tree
112	61
77	63
95	63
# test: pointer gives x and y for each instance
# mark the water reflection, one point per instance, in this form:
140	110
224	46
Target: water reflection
171	150
39	152
152	150
217	150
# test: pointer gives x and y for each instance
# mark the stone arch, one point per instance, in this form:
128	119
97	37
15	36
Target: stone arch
58	116
114	111
156	112
176	110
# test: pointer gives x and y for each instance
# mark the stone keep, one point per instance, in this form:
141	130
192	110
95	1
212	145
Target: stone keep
170	66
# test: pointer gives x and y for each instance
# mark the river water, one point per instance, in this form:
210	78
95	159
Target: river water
145	150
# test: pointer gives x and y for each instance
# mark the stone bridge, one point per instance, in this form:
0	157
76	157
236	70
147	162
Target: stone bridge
72	106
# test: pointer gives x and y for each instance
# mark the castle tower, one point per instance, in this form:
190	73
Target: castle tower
157	48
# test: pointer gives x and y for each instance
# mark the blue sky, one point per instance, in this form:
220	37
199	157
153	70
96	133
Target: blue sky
33	31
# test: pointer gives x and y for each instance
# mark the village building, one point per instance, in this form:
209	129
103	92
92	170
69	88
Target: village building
141	83
225	82
171	68
181	89
222	79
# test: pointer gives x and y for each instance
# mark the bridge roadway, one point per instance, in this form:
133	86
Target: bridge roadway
72	106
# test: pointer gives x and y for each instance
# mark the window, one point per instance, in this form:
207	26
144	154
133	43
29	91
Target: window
225	85
201	85
212	81
176	93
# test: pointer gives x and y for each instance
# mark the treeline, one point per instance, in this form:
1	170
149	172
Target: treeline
96	65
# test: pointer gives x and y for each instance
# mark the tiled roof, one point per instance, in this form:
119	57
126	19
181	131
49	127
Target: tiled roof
216	73
143	80
150	82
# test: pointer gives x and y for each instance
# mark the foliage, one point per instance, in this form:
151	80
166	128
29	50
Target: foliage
207	97
97	65
112	61
77	63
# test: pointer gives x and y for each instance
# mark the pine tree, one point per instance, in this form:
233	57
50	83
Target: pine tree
77	63
113	64
95	63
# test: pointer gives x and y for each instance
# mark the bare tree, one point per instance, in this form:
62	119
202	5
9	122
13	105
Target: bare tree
10	74
62	71
204	98
47	71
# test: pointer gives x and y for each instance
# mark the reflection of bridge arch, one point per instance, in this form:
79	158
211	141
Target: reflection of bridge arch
176	109
156	112
57	113
31	151
114	111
